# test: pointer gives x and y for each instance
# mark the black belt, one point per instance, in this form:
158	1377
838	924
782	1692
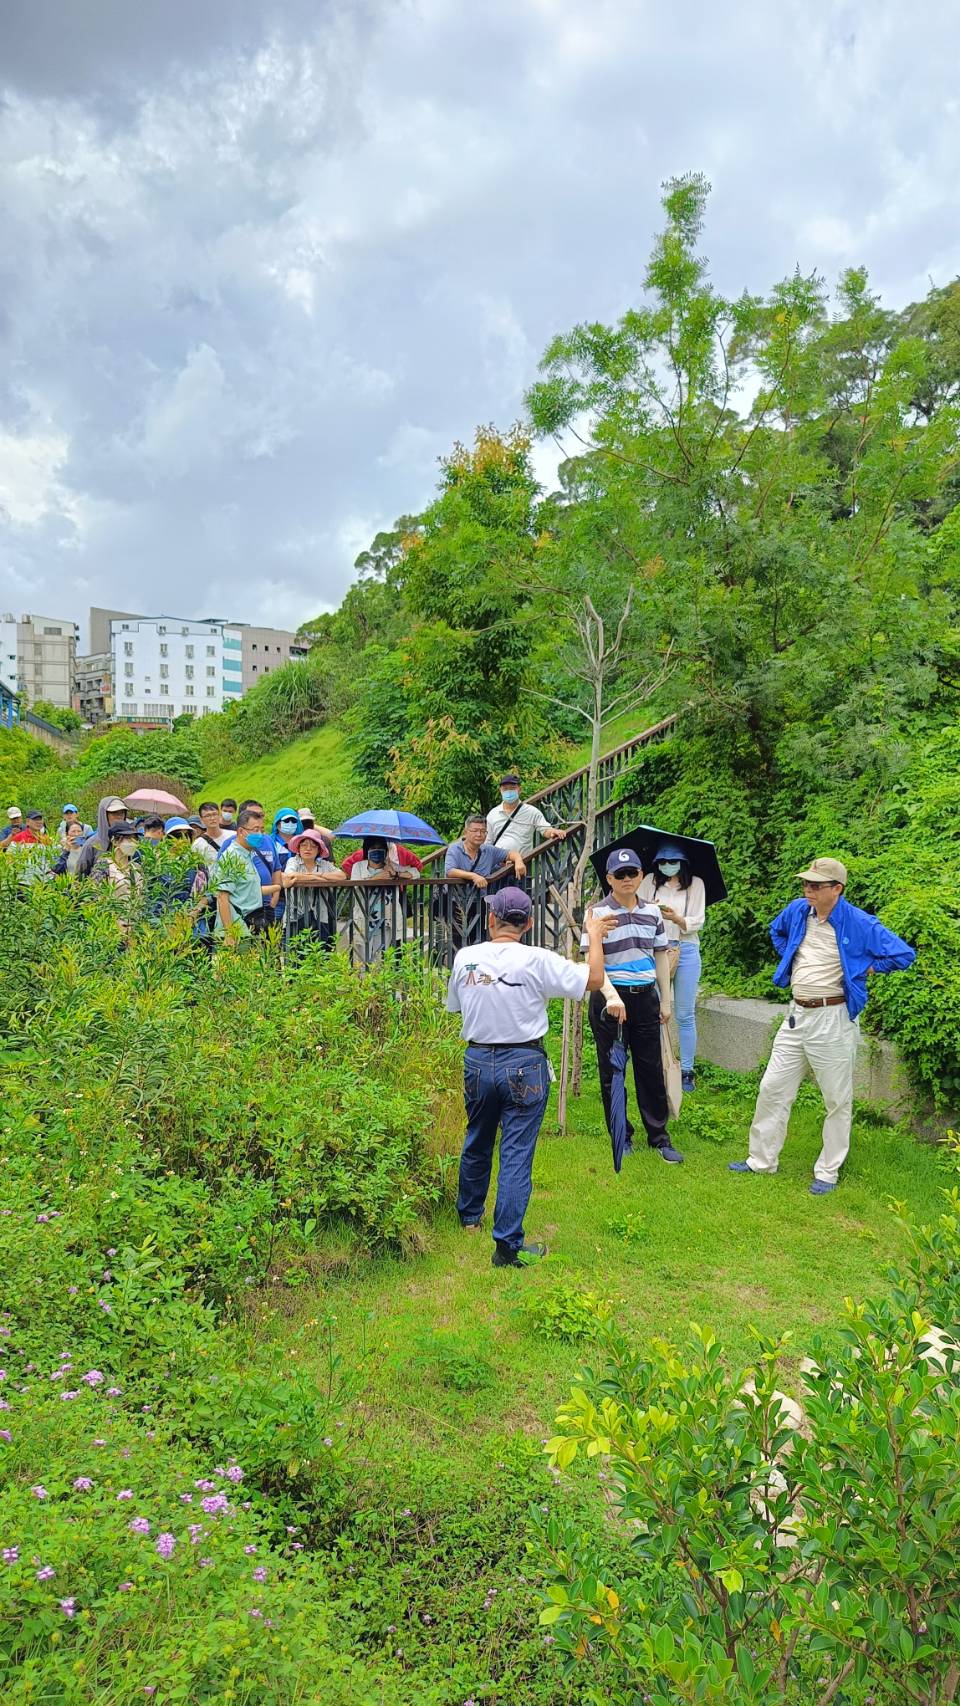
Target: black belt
537	1043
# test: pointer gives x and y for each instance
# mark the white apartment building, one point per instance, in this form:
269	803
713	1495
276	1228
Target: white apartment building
164	666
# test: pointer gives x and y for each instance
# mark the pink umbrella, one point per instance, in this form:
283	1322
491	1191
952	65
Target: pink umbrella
154	800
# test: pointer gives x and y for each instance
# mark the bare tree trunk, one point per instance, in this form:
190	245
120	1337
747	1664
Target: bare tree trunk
590	829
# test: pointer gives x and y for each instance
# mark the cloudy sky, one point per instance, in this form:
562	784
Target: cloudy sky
264	260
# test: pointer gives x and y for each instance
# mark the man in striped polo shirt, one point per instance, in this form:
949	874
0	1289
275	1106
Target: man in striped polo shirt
635	998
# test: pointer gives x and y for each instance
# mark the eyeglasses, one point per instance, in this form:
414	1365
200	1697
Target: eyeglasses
630	871
809	885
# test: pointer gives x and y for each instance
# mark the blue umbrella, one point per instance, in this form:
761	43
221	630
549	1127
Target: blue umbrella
393	826
618	1100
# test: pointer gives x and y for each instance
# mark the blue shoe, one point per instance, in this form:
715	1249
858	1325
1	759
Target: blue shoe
739	1167
687	1083
820	1188
668	1153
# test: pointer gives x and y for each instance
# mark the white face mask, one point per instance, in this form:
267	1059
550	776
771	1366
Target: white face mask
127	847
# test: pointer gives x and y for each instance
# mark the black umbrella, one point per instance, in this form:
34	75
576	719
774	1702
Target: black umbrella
618	1100
646	842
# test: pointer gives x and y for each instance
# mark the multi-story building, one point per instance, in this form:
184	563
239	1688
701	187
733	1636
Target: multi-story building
265	649
163	666
100	620
38	655
93	688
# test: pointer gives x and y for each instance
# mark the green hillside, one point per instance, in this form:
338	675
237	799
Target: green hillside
314	770
311	771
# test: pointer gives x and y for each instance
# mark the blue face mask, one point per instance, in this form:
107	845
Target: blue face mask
669	867
509	795
258	842
287	826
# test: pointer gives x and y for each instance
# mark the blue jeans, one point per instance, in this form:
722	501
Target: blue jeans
686	981
506	1088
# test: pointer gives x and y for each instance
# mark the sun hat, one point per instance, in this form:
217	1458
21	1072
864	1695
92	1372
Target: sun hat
824	871
669	851
173	824
623	859
307	811
510	905
112	804
307	835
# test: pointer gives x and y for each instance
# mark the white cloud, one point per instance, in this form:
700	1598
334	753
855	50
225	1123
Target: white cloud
265	260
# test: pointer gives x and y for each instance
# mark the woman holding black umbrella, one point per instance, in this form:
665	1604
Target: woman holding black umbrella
681	897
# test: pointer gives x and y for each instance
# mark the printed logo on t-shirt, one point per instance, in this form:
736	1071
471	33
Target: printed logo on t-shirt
476	976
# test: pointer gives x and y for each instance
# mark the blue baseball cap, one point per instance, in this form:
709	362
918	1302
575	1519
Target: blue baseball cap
71	809
623	859
173	824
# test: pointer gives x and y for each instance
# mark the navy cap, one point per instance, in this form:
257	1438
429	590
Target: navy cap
511	905
623	859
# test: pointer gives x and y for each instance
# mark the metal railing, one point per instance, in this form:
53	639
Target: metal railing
371	917
427	914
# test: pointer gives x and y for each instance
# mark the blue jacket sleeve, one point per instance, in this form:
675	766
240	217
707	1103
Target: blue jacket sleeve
780	930
887	951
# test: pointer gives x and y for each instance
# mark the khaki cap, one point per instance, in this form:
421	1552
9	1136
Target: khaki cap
824	871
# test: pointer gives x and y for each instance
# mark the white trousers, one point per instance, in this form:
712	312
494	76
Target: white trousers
825	1039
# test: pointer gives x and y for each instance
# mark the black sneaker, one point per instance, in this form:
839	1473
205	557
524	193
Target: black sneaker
505	1256
668	1153
687	1083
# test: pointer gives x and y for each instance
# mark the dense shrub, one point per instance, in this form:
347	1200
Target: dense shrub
797	1550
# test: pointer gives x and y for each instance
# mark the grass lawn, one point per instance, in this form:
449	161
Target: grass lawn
464	1349
306	772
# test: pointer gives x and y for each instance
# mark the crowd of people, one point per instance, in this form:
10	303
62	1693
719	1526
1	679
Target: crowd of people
236	881
235	878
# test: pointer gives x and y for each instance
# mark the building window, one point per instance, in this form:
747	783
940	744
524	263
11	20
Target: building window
189	651
211	692
188	690
128	669
53	630
161	630
164	670
254	669
188	671
211	651
164	689
184	630
128	648
128	709
254	646
164	650
211	669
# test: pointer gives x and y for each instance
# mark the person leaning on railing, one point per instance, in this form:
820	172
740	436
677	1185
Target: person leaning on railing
308	867
474	859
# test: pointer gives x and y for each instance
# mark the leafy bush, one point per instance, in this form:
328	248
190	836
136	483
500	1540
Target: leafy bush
798	1549
562	1311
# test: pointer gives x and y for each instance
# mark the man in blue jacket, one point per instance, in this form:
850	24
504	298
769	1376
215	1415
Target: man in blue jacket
826	949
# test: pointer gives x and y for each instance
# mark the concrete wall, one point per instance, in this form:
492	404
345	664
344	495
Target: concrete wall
738	1035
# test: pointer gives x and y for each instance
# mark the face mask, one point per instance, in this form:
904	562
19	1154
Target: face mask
127	847
287	826
376	858
670	867
509	795
258	840
227	817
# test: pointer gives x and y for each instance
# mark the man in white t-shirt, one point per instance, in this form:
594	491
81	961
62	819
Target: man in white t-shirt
501	988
